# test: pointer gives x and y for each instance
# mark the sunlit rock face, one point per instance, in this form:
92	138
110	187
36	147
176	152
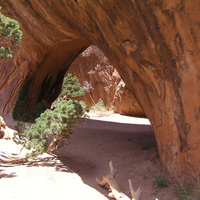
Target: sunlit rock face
154	45
93	68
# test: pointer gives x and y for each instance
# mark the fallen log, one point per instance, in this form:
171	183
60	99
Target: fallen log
12	160
5	158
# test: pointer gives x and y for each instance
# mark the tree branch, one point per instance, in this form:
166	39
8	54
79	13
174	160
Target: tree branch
115	190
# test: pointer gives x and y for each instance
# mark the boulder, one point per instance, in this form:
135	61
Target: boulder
5	132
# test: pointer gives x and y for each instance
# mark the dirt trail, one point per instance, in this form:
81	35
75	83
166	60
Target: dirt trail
71	176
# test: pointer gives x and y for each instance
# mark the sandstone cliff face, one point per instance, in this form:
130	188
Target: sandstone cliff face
41	58
154	45
93	67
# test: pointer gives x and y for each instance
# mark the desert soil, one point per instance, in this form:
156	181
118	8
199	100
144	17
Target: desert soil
70	175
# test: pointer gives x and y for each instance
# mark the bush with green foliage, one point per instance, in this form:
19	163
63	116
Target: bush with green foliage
146	147
53	126
19	111
71	87
183	191
9	35
160	181
187	190
39	108
99	106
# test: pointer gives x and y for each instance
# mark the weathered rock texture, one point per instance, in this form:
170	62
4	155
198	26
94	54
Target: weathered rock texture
93	68
154	45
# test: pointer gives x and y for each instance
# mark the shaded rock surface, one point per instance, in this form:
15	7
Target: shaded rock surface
93	68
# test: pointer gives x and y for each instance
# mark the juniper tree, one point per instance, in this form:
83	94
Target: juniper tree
9	35
71	87
54	126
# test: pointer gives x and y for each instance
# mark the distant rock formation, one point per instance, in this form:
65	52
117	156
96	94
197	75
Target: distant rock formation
93	67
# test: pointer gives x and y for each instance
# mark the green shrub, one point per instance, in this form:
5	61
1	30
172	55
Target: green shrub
146	147
20	112
160	181
183	191
99	106
40	108
9	35
54	125
71	87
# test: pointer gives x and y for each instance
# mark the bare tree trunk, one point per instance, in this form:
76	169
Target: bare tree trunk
5	158
50	147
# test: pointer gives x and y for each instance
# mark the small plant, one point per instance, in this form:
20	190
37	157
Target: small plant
99	109
19	111
160	181
146	147
182	191
145	176
99	106
185	187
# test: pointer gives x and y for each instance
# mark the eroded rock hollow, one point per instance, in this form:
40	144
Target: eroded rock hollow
154	45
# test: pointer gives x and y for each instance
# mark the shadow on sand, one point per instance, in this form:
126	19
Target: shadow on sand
95	143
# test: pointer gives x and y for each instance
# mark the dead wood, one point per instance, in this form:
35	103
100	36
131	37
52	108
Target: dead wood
115	190
14	159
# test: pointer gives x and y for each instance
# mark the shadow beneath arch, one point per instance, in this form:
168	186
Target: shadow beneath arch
97	142
72	173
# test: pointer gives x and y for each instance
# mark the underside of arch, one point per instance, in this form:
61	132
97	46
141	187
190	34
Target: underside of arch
46	83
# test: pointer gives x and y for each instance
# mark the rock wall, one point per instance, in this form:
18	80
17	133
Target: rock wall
92	67
154	45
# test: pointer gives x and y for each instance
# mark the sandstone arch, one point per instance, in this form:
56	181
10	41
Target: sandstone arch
154	45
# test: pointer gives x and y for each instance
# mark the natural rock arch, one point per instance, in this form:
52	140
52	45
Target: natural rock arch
154	46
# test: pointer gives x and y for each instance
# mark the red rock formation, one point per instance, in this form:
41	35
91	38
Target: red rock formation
5	132
154	45
125	103
93	67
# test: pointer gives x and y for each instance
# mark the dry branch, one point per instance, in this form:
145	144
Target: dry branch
115	190
11	159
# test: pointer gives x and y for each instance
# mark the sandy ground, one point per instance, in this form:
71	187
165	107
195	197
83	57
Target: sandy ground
71	175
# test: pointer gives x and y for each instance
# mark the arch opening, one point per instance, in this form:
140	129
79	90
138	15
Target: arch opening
95	72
